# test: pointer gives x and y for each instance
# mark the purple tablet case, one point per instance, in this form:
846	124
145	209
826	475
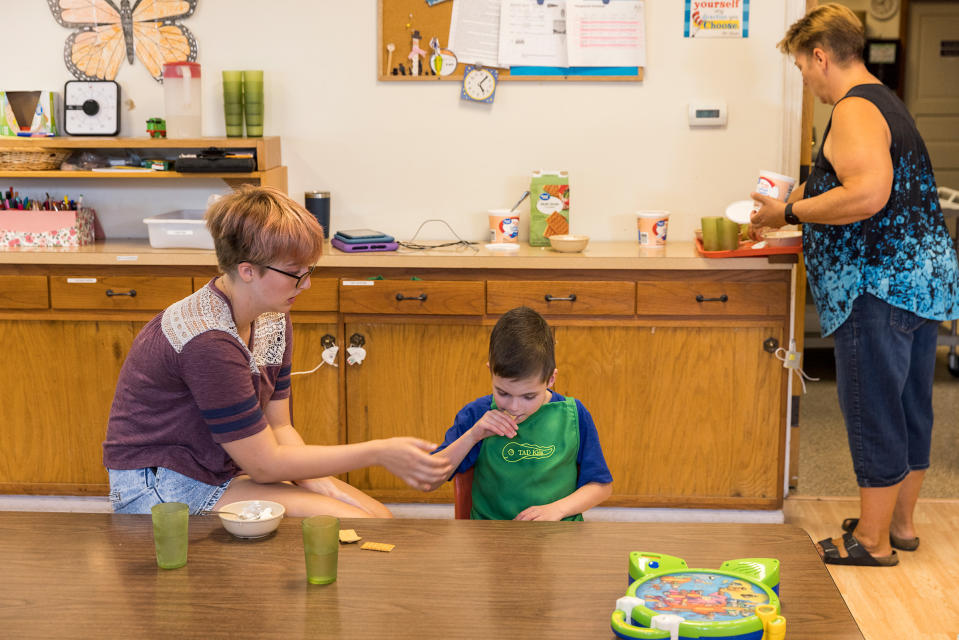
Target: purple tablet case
372	246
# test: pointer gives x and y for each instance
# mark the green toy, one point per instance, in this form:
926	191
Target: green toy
667	599
156	127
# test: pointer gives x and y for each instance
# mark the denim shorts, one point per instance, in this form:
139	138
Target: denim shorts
137	490
885	363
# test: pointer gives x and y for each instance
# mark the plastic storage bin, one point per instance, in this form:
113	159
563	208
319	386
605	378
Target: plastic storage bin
183	229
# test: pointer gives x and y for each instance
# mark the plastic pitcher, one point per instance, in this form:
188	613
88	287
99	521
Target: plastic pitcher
182	97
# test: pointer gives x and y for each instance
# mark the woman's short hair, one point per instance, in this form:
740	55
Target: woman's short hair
521	346
262	225
833	27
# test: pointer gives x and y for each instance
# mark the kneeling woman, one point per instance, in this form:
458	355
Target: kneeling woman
201	413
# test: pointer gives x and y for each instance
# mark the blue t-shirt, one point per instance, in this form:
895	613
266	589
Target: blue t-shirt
903	254
589	459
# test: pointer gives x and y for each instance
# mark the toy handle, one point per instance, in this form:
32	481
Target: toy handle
626	630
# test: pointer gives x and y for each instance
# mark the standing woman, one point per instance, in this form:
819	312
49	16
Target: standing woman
201	413
883	272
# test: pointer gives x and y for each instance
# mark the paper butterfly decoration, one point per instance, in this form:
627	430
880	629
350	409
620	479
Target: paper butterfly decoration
106	32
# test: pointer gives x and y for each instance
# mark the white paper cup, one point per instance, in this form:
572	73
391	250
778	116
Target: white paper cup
503	225
651	227
775	185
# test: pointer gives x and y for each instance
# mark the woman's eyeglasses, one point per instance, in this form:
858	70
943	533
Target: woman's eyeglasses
299	278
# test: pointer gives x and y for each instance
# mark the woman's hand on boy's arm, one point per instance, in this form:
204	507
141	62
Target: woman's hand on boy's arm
586	497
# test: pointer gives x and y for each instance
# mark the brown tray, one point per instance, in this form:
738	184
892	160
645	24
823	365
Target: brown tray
745	250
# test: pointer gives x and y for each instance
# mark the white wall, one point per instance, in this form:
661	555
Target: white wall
394	154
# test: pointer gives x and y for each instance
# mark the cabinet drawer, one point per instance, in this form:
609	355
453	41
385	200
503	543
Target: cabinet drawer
117	292
712	299
412	296
24	292
562	297
321	296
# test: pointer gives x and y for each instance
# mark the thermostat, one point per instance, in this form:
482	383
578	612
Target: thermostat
707	114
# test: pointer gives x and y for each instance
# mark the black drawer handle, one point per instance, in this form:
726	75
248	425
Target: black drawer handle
722	298
421	297
570	298
132	293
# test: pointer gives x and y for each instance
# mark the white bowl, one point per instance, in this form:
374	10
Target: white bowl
740	211
248	522
783	238
568	243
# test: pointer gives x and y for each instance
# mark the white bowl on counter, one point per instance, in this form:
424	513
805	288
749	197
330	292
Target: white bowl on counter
568	243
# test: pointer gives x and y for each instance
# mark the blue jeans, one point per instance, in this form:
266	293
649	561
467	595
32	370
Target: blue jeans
885	362
137	490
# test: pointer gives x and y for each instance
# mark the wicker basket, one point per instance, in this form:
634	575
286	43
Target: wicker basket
32	160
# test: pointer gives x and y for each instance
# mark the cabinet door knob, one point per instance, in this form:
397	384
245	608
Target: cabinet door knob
357	340
132	293
570	298
421	297
701	298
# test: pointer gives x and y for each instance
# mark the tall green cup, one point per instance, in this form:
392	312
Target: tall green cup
728	234
253	102
321	545
233	103
171	524
710	226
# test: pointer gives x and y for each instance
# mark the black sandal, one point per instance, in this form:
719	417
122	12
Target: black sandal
855	553
903	544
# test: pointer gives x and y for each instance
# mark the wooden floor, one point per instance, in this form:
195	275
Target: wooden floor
919	598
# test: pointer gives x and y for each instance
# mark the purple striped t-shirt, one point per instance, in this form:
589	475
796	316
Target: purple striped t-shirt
189	384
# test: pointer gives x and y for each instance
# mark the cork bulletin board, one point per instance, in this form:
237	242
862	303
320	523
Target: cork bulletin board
434	21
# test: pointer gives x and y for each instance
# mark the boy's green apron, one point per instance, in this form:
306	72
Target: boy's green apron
537	466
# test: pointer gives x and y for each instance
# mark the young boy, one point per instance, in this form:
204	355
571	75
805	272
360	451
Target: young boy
535	454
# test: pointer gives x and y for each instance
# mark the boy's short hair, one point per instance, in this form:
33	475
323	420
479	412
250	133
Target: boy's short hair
521	346
830	26
261	225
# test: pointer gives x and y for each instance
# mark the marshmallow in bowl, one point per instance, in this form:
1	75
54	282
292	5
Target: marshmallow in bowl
255	512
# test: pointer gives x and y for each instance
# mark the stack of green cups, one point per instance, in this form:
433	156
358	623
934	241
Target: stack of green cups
233	103
253	102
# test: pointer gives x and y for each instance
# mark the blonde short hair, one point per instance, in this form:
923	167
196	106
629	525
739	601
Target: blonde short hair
833	27
262	225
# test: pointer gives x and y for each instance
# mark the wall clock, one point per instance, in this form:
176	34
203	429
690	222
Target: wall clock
91	108
883	9
479	84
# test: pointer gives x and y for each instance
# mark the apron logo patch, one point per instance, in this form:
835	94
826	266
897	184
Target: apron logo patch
516	451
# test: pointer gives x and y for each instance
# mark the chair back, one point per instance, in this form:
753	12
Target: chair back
463	494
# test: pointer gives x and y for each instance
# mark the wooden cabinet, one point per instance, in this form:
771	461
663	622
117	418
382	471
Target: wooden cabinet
58	378
674	366
687	416
416	375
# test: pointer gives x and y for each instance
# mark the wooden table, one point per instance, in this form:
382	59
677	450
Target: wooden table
71	575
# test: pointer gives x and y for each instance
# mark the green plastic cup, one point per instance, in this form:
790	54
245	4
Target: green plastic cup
728	234
254	131
171	525
321	545
710	226
234	130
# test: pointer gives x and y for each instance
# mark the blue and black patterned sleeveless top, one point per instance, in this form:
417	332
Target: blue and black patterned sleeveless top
903	254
